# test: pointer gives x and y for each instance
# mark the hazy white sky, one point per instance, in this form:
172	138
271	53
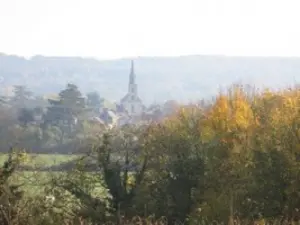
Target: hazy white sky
125	28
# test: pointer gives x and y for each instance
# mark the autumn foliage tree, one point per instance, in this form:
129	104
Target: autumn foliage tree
237	157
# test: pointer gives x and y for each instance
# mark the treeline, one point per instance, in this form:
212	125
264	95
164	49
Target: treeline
56	124
234	160
47	125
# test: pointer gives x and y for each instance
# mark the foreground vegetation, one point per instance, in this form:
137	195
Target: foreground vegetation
233	160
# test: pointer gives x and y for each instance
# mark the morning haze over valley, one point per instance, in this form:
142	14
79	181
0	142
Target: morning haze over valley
139	112
181	78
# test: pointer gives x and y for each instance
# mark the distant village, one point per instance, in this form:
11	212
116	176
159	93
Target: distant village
131	110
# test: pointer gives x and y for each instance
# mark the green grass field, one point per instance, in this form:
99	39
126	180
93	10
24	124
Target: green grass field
33	182
43	159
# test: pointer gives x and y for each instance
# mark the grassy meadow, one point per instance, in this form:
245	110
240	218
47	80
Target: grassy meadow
34	181
42	159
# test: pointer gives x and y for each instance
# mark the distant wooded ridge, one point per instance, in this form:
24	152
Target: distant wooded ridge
159	79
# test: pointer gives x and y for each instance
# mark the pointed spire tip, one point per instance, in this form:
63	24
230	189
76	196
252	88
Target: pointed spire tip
132	66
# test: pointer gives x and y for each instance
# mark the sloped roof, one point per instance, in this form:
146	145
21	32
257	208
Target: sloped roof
111	114
108	104
97	119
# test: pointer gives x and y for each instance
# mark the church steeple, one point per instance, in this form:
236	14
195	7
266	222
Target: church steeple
131	102
132	74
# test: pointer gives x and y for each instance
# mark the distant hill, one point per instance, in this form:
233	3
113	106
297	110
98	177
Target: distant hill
159	78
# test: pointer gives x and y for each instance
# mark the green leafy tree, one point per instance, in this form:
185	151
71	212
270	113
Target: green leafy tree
66	112
178	165
122	164
25	116
10	195
93	100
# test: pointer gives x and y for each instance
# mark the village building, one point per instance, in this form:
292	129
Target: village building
131	102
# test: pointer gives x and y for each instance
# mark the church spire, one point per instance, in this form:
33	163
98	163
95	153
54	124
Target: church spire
131	102
132	74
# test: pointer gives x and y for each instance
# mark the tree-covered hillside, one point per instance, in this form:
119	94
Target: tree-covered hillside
159	78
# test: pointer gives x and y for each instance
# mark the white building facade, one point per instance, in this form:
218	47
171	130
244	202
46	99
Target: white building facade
131	101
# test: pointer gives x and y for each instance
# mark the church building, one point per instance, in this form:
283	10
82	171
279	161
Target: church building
131	101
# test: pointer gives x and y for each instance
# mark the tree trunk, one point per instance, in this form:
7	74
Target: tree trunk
230	220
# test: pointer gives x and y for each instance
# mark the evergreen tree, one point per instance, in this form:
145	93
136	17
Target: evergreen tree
21	95
66	111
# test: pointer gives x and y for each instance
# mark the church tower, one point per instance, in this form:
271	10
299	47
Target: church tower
132	87
131	102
